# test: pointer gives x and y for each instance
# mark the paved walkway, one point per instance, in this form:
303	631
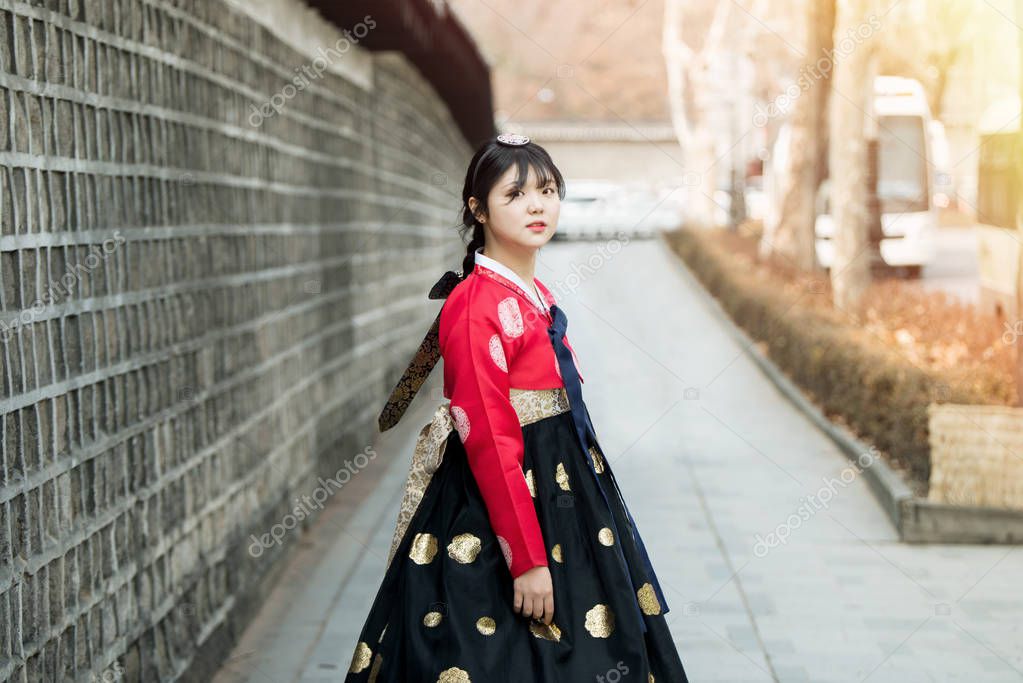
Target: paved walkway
712	461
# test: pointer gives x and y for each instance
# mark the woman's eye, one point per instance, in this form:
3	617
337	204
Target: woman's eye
516	193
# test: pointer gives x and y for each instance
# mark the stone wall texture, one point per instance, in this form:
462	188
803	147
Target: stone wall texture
202	311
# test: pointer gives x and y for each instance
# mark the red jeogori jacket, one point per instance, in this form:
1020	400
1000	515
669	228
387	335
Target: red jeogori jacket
493	337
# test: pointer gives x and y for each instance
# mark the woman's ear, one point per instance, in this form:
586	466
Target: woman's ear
474	209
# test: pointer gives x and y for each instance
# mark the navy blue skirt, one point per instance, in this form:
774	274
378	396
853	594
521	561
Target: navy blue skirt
444	612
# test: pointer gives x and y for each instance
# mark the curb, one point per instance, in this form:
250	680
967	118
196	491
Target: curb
917	520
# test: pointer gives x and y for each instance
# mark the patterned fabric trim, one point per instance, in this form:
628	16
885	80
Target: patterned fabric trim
536	404
530	405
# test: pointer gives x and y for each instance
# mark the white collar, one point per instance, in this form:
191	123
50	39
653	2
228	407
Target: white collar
507	272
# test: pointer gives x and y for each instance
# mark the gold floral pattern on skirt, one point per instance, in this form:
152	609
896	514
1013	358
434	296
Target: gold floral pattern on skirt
545	631
424	547
360	658
556	552
648	601
561	476
598	460
531	482
606	536
454	675
600	621
486	625
464	548
432	619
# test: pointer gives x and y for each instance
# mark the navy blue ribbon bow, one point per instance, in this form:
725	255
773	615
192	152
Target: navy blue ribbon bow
588	437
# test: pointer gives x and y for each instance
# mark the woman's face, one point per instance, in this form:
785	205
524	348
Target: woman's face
522	216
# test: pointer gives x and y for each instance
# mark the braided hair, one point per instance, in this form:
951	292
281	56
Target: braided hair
488	164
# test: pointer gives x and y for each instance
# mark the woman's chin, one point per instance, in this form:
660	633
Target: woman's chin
535	239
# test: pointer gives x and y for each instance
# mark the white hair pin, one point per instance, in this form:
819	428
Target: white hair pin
512	139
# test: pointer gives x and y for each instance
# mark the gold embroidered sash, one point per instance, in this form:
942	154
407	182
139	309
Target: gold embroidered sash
423	360
530	405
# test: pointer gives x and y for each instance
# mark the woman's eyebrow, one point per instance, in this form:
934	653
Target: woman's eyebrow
538	184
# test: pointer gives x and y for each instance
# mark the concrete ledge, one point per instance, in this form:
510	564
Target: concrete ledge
925	521
917	520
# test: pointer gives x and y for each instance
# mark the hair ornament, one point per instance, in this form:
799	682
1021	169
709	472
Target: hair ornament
512	139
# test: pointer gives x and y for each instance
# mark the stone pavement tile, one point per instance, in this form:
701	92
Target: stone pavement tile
718	660
779	646
954	667
792	674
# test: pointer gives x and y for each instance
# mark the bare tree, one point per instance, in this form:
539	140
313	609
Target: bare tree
690	89
851	117
793	235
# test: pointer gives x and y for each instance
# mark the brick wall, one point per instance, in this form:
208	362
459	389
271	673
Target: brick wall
203	308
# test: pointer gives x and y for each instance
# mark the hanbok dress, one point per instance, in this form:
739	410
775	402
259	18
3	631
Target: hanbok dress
508	476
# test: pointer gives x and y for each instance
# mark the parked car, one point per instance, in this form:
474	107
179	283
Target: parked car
585	208
603	209
659	209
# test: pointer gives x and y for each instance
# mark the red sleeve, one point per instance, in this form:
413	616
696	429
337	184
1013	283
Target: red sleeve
476	353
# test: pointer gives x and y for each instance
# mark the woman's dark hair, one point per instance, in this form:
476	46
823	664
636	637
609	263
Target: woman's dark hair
488	164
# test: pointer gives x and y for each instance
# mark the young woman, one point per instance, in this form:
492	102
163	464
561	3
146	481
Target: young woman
515	559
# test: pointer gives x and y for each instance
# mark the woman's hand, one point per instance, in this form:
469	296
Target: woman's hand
534	594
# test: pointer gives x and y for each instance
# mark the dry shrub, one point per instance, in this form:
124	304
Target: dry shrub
930	330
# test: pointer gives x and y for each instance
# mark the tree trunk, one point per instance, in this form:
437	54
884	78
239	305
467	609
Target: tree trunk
852	105
689	93
677	56
793	236
701	208
823	19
